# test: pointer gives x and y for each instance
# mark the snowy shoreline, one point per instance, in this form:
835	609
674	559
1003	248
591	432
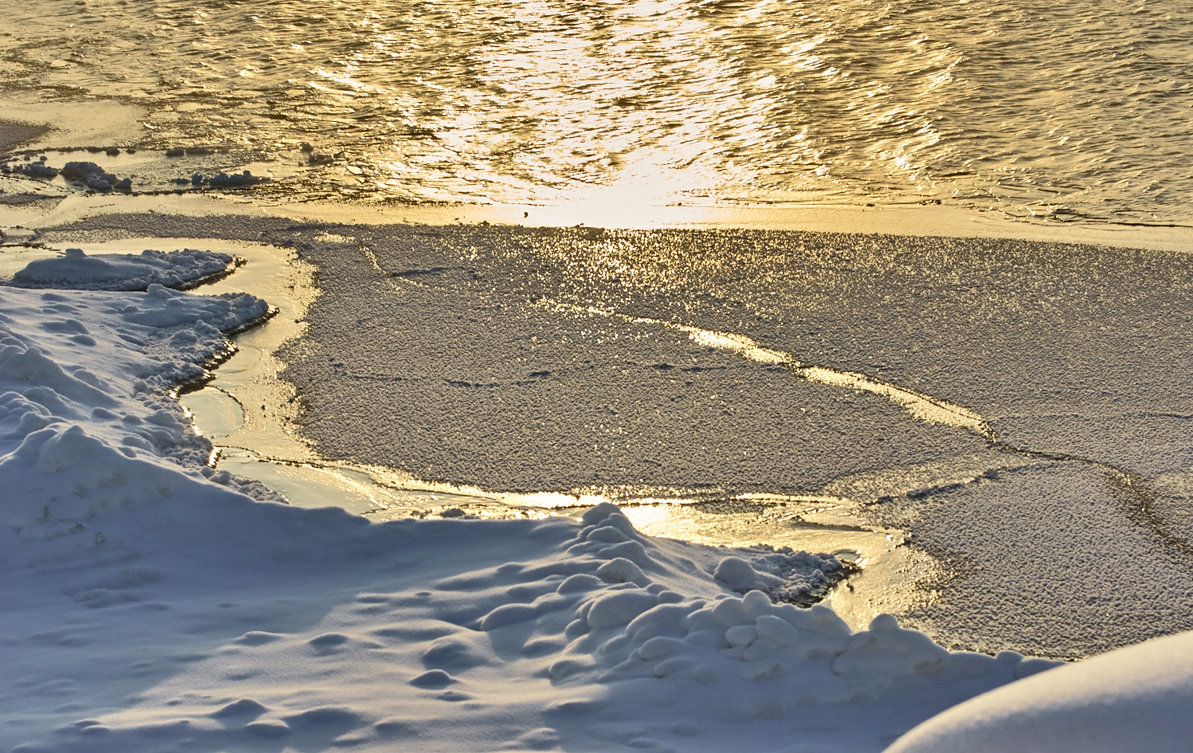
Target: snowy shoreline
153	603
95	509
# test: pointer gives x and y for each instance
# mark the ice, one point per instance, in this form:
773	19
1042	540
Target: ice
76	269
93	177
38	170
226	180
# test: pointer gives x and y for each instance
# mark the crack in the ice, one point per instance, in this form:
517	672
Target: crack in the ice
917	404
1129	481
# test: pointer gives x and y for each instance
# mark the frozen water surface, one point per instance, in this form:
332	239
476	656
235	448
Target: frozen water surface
676	363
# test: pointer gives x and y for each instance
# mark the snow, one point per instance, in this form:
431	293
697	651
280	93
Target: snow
1134	698
151	603
122	271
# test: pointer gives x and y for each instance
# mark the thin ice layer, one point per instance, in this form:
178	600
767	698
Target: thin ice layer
466	356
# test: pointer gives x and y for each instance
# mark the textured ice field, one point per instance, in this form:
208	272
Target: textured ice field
1050	477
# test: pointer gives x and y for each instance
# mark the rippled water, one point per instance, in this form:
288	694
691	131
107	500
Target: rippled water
1071	110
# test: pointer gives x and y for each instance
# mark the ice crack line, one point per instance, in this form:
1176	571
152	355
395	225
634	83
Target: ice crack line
1144	513
919	405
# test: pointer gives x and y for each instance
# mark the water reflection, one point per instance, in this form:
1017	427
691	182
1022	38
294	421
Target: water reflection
1071	110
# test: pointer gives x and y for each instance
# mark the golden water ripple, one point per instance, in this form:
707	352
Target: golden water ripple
1068	111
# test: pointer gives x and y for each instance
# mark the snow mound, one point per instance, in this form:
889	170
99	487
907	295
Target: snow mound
1133	698
78	270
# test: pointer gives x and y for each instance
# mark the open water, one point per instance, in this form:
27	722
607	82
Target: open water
1074	111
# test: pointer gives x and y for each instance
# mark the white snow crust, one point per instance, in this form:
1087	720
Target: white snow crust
151	603
76	269
1134	698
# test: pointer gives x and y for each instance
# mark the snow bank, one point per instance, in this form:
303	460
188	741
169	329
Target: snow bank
1134	698
151	603
76	269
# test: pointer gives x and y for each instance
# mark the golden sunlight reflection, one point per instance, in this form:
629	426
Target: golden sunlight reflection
605	107
634	196
886	565
922	407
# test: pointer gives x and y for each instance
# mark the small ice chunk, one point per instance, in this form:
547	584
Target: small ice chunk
39	170
235	180
81	171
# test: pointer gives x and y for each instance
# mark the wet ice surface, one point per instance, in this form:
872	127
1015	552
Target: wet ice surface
522	359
